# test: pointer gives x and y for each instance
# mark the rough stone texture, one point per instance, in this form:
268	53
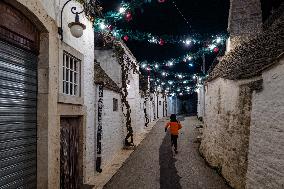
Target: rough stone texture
101	77
266	143
245	20
250	58
226	131
243	119
109	64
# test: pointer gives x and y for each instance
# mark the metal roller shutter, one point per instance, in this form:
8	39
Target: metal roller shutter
18	106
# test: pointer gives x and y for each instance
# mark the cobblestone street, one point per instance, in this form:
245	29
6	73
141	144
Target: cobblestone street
154	165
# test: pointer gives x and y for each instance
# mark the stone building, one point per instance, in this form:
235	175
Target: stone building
45	107
244	109
108	72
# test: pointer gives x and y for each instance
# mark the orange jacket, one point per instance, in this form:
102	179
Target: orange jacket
174	127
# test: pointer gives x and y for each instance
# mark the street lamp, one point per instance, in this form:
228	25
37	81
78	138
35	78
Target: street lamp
76	28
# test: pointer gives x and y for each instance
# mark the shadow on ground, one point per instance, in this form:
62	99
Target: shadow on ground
168	172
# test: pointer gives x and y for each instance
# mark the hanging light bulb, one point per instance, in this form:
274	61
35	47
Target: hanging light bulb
102	26
156	66
122	10
170	63
211	47
187	42
219	40
144	65
164	74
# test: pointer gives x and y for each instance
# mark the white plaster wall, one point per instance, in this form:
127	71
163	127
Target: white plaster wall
112	123
223	137
109	64
161	106
201	102
134	101
51	6
134	96
84	45
266	144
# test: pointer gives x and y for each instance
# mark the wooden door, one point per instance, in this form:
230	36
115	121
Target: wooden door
69	153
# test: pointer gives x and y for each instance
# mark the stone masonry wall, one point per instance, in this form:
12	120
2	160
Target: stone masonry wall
226	131
266	142
113	137
245	20
109	64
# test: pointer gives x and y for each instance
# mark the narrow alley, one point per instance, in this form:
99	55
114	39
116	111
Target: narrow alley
92	94
154	165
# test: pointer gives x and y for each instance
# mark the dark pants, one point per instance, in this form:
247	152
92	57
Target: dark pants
174	140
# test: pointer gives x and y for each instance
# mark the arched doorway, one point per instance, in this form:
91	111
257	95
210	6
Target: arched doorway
19	41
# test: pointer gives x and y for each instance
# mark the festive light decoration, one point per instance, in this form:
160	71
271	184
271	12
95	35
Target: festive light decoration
126	38
216	49
185	83
128	16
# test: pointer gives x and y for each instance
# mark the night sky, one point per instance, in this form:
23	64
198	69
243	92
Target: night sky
206	17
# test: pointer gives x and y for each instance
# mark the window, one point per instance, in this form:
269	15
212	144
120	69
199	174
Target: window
71	75
115	104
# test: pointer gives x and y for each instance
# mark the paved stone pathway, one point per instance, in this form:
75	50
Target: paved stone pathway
154	165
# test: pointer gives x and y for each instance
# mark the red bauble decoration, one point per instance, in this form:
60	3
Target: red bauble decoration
125	38
161	42
128	16
161	1
216	49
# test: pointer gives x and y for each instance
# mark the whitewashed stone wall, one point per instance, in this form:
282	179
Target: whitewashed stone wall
161	106
266	143
225	139
112	122
201	102
137	111
47	12
84	45
109	64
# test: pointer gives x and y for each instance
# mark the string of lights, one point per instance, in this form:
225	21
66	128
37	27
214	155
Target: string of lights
161	75
182	15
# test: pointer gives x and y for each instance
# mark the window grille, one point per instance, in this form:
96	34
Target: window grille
71	75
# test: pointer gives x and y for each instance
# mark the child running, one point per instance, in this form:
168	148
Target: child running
174	126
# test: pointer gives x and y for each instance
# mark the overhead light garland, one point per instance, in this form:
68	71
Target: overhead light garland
101	26
189	58
161	78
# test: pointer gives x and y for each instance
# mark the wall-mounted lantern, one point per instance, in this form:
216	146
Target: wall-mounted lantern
76	28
